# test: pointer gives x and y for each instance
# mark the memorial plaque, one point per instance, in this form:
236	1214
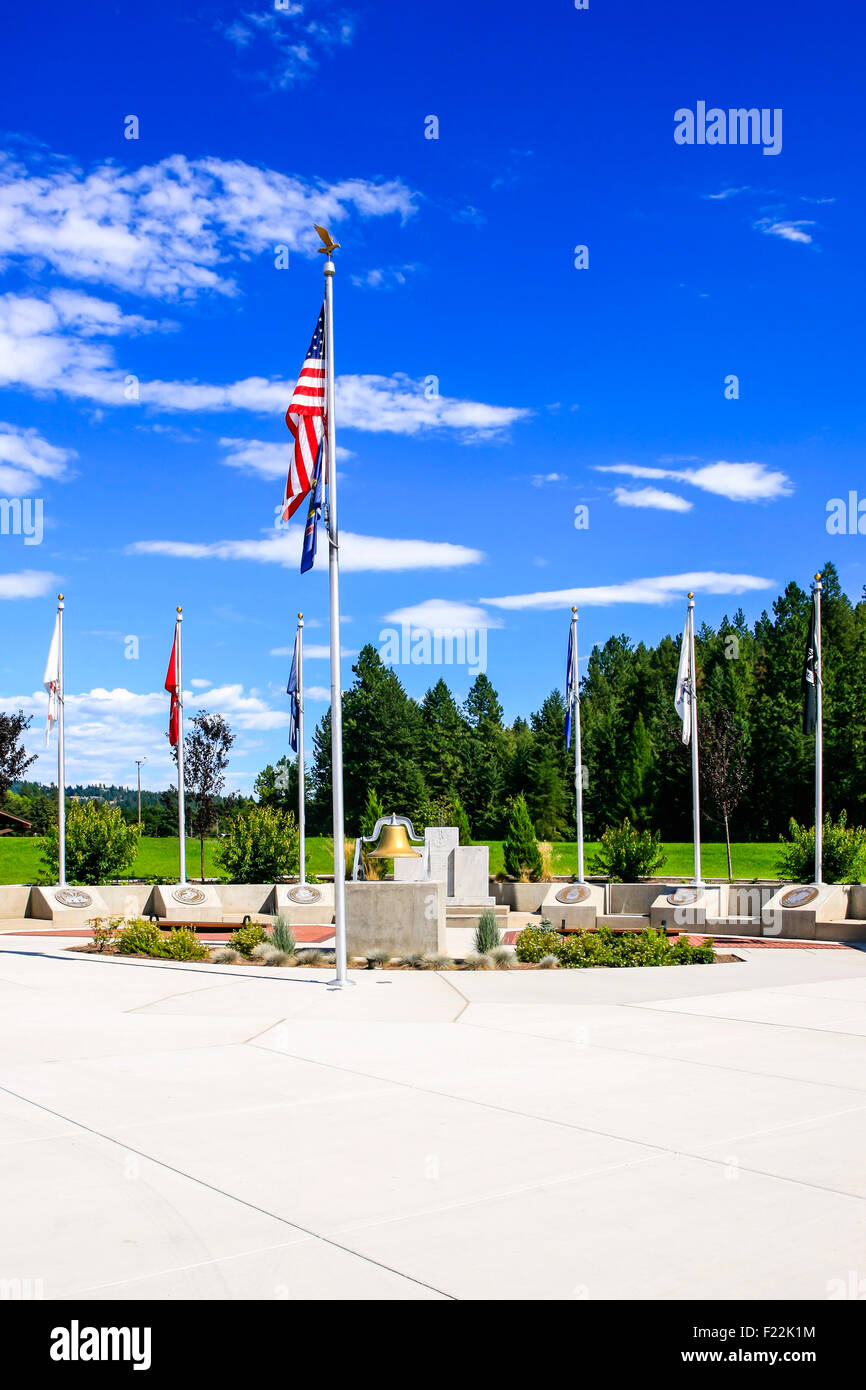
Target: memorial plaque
684	897
799	897
73	897
303	894
189	897
575	893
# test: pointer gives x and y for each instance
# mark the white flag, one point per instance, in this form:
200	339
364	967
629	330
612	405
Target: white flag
683	697
51	681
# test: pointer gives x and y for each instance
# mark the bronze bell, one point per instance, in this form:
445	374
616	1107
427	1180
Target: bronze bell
394	844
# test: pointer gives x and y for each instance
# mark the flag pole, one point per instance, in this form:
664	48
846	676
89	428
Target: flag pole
181	808
61	751
336	691
578	764
302	832
817	590
693	722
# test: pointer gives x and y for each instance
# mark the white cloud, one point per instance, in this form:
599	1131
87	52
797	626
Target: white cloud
398	405
539	479
200	684
728	192
105	729
788	231
313	652
27	584
738	482
660	590
443	615
358	553
168	230
41	351
651	497
384	278
297	44
25	457
264	459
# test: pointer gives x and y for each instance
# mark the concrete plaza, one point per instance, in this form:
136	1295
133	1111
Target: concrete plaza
214	1132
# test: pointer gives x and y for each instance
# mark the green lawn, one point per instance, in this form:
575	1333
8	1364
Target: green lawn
19	859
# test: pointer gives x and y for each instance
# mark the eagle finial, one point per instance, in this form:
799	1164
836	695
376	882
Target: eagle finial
329	244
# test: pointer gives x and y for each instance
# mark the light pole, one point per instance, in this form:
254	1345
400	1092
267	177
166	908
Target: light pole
138	762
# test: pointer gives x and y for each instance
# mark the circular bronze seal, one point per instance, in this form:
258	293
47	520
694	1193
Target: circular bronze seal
190	897
72	897
798	897
575	893
304	895
683	897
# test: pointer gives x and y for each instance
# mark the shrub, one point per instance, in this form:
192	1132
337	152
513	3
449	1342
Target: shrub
548	963
261	845
414	960
843	856
99	844
226	955
502	958
313	958
283	937
141	938
183	944
279	958
105	931
436	961
247	937
522	859
378	957
535	942
627	854
586	949
475	961
487	934
263	950
545	852
683	953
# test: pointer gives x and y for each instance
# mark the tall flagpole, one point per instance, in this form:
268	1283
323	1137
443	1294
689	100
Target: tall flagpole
817	590
61	751
693	723
302	831
578	764
181	808
336	690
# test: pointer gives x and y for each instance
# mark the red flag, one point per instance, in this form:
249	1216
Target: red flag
171	687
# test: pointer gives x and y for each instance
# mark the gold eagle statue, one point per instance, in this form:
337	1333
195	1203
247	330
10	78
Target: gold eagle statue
329	244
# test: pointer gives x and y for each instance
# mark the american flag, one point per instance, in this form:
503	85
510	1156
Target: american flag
305	418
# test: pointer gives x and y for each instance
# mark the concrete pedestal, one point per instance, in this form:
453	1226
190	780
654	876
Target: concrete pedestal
398	917
187	902
573	904
68	907
305	904
798	908
688	906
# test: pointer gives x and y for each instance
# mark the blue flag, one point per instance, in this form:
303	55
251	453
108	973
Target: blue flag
569	686
295	705
314	512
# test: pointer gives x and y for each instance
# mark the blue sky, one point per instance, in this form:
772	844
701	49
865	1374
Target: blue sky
154	258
